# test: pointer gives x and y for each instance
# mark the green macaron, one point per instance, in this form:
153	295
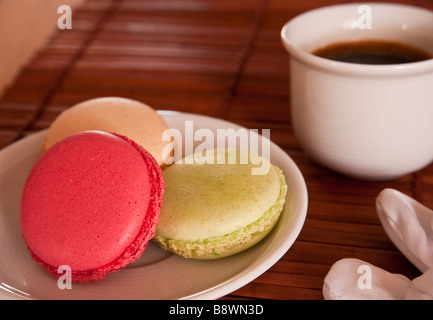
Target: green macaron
215	207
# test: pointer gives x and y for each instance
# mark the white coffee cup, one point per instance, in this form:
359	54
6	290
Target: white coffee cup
373	122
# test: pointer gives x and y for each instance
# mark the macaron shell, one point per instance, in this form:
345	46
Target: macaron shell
232	243
91	202
126	117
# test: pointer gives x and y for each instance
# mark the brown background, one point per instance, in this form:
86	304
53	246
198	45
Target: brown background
221	58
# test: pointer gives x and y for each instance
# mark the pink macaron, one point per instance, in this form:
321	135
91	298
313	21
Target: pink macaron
91	202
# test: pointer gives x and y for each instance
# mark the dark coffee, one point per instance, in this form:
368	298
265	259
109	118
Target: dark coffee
372	52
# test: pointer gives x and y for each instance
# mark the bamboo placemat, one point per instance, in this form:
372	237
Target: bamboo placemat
221	58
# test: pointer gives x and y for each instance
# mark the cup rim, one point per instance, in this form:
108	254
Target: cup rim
333	66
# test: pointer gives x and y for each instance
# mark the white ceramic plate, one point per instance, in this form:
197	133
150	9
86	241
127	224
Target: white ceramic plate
157	274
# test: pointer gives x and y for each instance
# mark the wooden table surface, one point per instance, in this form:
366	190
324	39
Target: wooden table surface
221	58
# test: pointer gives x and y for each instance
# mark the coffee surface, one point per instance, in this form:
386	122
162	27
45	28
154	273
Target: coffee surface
372	52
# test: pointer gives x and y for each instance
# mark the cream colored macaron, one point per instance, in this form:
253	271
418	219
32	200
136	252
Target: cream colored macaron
214	210
126	117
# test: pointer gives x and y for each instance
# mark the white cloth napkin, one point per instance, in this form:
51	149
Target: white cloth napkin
410	227
353	279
